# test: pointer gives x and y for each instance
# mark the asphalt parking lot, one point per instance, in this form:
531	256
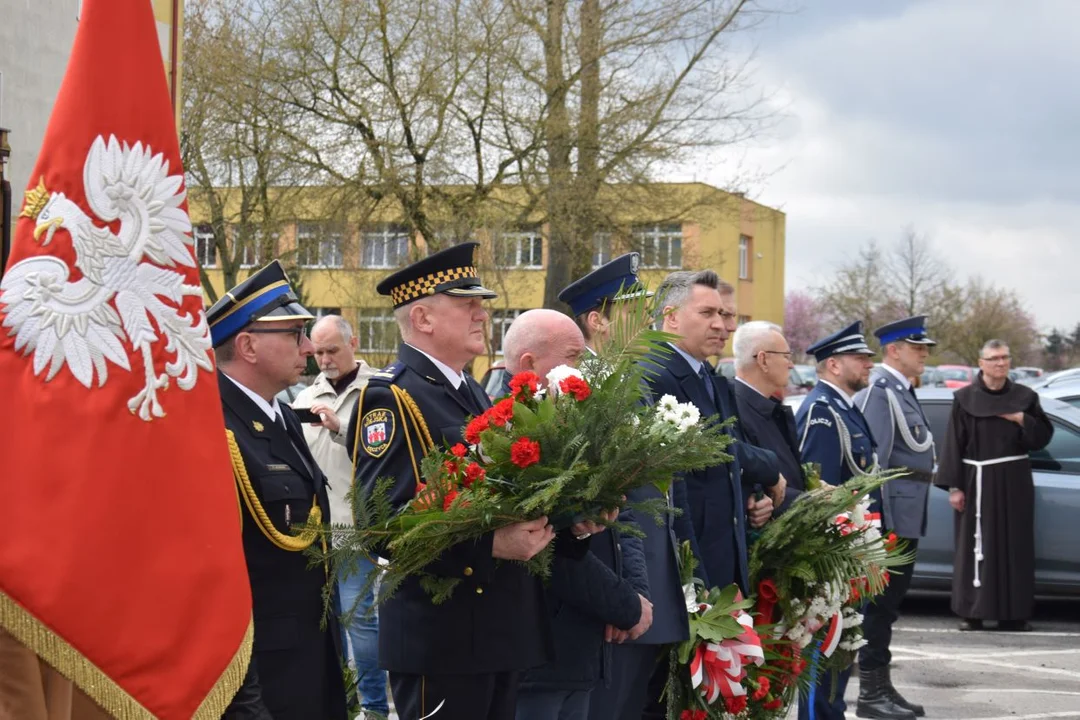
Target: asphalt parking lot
986	675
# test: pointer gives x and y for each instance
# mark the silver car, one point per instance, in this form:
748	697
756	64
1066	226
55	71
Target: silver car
1057	502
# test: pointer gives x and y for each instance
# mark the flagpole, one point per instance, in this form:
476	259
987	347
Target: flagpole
5	201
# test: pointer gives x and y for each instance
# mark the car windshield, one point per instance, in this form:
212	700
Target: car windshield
954	374
807	373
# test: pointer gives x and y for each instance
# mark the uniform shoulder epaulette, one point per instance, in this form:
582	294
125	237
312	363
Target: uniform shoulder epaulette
389	374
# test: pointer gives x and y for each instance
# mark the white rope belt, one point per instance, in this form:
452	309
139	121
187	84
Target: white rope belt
979	465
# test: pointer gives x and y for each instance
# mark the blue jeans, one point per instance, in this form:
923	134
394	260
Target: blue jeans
361	638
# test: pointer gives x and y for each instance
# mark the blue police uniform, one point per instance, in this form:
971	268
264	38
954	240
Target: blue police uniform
904	441
835	436
294	671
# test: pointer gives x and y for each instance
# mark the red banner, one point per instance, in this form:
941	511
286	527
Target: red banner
122	564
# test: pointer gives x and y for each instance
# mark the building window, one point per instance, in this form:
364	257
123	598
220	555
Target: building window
249	245
520	249
376	330
384	246
324	311
661	245
601	249
500	323
745	247
320	245
205	247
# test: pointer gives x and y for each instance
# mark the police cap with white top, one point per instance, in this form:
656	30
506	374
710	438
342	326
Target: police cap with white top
911	330
616	280
849	341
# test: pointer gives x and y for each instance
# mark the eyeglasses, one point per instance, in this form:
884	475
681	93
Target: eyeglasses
299	332
997	359
785	353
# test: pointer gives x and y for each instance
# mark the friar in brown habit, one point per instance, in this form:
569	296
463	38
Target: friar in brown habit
984	463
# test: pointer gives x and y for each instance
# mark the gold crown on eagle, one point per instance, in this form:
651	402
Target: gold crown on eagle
35	200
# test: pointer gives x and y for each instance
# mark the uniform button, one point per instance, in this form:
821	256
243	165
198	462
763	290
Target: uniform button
735	520
479	591
468	571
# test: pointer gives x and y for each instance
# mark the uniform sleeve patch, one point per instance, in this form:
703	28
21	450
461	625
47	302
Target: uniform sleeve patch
377	431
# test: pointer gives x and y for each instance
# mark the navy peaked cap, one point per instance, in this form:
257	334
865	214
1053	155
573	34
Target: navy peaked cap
912	330
616	280
849	341
263	297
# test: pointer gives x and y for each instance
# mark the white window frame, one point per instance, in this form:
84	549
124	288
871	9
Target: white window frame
250	254
603	249
744	257
520	248
659	239
367	319
330	251
203	235
385	236
502	320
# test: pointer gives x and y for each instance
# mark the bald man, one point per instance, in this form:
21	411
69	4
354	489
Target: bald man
589	601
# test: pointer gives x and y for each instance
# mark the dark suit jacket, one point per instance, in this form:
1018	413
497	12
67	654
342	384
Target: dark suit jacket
770	424
715	494
295	667
496	620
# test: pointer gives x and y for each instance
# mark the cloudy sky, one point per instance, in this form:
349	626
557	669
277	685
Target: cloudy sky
960	118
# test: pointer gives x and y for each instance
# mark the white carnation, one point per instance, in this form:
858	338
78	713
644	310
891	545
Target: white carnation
560	373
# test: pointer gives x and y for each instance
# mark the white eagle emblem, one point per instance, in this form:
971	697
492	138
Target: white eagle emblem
120	295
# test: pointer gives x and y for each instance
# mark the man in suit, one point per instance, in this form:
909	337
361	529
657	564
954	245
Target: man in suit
834	435
762	366
599	303
903	441
262	348
585	596
695	307
462	656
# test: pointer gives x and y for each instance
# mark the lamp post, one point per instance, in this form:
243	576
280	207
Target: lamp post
5	201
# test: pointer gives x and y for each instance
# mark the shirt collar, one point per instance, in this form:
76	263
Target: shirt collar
847	398
453	377
898	375
695	364
739	379
272	410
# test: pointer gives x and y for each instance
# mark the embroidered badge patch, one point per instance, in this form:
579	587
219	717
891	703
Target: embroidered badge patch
376	432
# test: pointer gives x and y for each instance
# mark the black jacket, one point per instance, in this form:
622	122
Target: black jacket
770	424
295	667
496	620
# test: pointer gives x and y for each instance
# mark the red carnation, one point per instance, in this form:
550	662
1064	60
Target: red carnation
575	386
451	467
476	426
735	705
449	499
524	380
503	412
525	452
473	474
774	704
762	689
459	450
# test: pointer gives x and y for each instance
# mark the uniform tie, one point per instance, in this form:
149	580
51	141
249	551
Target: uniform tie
710	386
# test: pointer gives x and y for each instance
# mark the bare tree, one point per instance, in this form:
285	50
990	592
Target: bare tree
915	276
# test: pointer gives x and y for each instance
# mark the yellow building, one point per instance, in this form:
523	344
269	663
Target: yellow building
685	226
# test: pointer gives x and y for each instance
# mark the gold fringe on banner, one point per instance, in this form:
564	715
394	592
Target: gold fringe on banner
89	678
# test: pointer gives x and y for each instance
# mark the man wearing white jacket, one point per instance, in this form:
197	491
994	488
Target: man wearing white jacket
333	395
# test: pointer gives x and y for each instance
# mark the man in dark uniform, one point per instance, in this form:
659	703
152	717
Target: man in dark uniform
903	441
261	349
835	435
463	656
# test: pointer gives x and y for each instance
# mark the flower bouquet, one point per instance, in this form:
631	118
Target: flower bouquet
729	667
817	564
569	450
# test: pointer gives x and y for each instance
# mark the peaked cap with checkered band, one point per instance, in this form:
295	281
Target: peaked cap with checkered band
451	271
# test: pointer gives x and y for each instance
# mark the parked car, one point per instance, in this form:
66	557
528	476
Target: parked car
956	376
289	394
1057	502
493	380
1056	377
931	377
726	367
802	379
1067	391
